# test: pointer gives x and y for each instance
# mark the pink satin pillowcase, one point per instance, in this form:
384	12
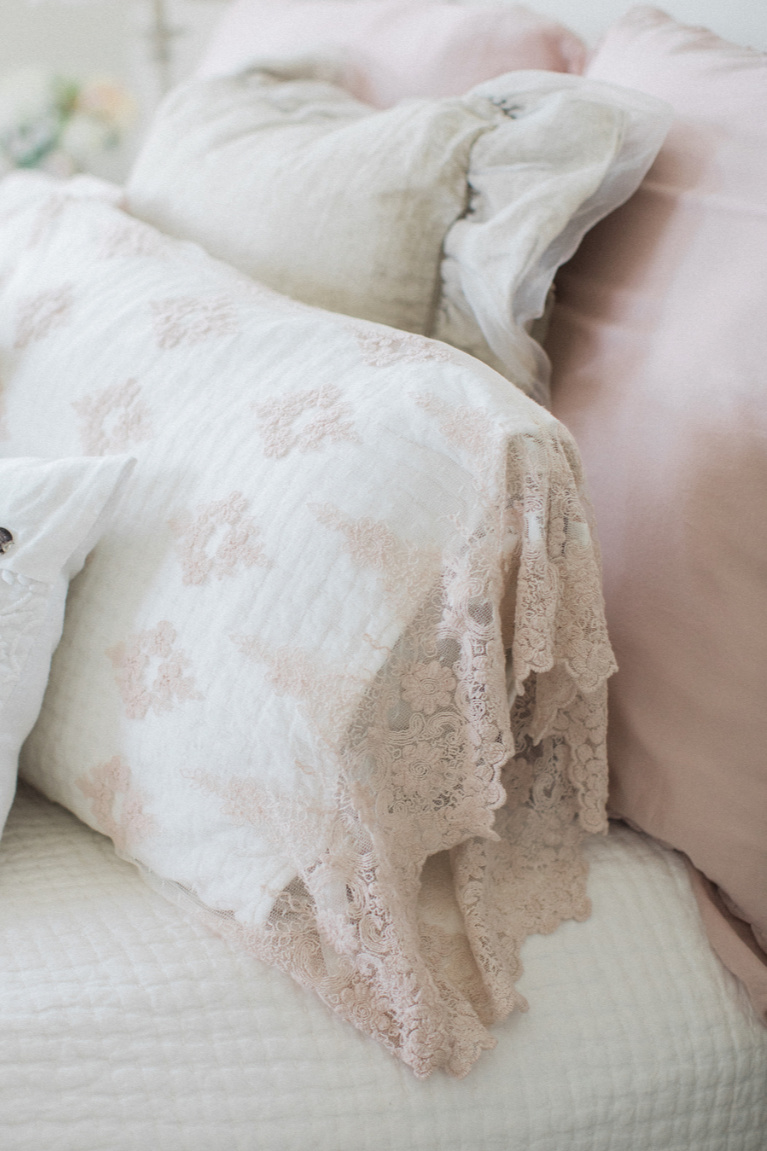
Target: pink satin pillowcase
393	50
659	348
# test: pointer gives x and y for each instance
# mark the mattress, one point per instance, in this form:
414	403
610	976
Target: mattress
126	1025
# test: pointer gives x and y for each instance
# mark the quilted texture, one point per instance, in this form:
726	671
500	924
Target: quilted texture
353	606
125	1026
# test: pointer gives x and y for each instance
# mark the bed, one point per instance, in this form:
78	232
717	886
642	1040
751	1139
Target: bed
135	1015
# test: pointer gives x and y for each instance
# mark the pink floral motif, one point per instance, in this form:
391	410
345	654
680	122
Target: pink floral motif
427	687
380	347
468	428
417	764
237	533
406	571
134	660
191	320
118	807
294	672
304	420
43	312
131	238
113	419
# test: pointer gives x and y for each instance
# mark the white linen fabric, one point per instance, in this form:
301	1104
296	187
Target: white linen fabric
51	514
127	1026
289	178
349	619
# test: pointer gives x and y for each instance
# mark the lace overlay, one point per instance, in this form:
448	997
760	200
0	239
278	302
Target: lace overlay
182	320
467	774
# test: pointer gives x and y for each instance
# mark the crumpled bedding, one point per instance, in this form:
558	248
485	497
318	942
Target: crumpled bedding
126	1026
397	650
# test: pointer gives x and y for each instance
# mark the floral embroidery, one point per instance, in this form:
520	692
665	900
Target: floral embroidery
407	572
428	687
304	420
380	348
238	544
113	419
134	660
191	320
248	802
502	782
294	672
468	428
117	806
42	313
131	238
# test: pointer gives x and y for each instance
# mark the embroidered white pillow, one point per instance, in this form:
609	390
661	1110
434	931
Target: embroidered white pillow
289	178
284	680
51	514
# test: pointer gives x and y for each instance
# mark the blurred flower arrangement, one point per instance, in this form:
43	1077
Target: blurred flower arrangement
58	123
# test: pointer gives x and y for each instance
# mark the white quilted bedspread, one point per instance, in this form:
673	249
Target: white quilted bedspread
126	1027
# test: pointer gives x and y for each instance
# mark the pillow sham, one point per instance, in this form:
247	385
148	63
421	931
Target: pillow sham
389	50
659	349
290	179
286	674
51	514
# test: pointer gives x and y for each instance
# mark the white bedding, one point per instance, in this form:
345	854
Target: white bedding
127	1027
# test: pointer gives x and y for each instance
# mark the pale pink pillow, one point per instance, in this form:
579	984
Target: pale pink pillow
389	49
659	347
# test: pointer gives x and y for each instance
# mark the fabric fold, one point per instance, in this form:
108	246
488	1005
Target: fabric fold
335	677
470	805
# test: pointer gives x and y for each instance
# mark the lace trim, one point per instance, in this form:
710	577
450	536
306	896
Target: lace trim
479	747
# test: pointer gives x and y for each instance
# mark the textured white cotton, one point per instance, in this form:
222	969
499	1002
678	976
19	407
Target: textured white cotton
343	623
51	514
289	178
126	1025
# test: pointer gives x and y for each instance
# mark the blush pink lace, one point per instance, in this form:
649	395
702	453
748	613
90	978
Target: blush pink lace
469	770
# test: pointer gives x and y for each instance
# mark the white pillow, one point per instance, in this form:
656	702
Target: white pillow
51	514
289	178
285	675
